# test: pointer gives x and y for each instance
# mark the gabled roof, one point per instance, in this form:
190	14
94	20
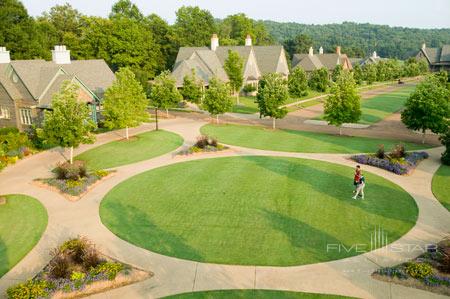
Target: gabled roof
42	78
317	61
437	55
210	63
268	58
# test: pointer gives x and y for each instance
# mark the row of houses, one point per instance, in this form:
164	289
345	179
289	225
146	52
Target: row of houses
27	86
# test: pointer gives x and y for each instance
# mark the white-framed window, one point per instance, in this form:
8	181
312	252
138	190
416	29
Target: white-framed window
25	116
4	113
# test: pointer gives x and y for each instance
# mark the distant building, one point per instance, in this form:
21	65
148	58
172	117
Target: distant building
310	62
27	86
209	62
374	58
437	58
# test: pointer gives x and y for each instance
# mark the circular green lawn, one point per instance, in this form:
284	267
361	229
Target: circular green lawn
255	211
23	219
256	294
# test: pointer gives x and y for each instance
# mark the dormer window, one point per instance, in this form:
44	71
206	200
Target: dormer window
14	78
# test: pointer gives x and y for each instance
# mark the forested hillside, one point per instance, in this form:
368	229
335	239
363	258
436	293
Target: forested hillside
395	42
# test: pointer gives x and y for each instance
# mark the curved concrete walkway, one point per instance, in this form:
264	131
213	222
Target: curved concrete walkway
350	276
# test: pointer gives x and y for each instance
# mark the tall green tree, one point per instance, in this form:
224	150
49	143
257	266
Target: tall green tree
164	93
126	9
358	74
194	26
192	90
445	140
125	102
428	107
18	31
370	73
234	67
217	98
67	22
318	80
337	72
234	29
299	44
68	123
272	94
343	104
298	83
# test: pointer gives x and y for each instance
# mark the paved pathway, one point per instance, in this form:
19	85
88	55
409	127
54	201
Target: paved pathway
349	276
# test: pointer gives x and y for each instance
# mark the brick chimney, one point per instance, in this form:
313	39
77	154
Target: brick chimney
320	50
311	51
4	55
374	54
60	55
214	42
424	46
248	40
338	50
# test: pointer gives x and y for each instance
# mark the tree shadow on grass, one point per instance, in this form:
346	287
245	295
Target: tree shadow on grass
138	229
316	178
4	264
316	245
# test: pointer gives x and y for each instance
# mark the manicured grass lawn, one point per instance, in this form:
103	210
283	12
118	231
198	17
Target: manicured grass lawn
296	141
23	220
254	211
256	294
441	185
248	105
141	147
379	107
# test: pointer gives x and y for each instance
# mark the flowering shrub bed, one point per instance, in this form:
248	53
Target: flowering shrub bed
429	271
13	146
398	161
73	186
204	144
74	266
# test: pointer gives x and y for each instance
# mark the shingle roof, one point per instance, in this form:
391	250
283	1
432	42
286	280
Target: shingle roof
7	83
432	54
95	73
46	99
317	61
445	54
268	58
211	62
37	74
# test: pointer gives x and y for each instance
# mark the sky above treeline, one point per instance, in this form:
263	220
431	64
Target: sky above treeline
405	13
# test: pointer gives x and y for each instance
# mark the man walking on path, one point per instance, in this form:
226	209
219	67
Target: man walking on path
360	187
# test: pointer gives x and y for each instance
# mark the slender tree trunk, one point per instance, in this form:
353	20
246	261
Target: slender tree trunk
126	133
273	123
156	117
71	155
423	136
167	113
237	97
340	131
217	119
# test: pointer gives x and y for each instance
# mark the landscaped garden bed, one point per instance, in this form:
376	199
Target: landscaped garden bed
73	180
430	271
397	161
204	144
13	146
77	269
